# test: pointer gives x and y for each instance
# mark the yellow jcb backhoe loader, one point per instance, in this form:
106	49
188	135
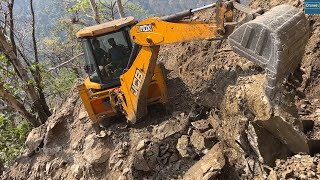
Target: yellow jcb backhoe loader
121	55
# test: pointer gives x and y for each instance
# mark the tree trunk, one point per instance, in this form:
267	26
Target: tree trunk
95	10
120	9
7	49
37	74
11	25
18	106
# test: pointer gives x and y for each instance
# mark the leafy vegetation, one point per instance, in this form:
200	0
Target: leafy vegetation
13	136
38	36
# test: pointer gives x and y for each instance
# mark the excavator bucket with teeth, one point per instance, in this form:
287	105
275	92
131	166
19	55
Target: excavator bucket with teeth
275	41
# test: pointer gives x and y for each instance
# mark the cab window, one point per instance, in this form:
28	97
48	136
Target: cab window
107	56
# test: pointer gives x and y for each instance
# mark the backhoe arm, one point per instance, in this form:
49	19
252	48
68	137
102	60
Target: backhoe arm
168	29
275	41
152	33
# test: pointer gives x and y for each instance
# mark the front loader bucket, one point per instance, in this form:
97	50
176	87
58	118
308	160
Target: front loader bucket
275	41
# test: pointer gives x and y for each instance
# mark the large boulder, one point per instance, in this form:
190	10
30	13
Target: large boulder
209	166
95	150
171	127
35	138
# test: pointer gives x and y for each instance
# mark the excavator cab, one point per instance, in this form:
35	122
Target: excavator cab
107	50
107	57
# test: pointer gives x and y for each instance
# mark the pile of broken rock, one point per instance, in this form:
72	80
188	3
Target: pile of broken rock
297	167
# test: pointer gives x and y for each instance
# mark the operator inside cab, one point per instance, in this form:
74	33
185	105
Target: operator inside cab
107	57
118	53
107	48
100	55
102	61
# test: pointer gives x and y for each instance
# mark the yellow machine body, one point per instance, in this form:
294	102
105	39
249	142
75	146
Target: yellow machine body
142	81
97	110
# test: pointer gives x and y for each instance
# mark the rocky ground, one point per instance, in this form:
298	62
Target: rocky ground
212	128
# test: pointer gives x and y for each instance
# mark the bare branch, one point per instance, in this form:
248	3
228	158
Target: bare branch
6	109
95	11
19	68
66	62
18	106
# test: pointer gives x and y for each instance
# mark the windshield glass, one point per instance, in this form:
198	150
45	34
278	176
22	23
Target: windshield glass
107	56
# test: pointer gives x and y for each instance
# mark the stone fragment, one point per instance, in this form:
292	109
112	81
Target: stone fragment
213	120
272	175
201	125
76	171
303	177
170	128
311	174
77	144
208	166
125	171
48	168
82	114
197	140
140	163
210	134
140	145
195	18
182	145
280	127
298	156
118	164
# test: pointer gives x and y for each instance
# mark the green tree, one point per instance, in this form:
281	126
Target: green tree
13	136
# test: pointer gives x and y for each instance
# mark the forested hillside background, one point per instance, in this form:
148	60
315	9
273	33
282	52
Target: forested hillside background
48	12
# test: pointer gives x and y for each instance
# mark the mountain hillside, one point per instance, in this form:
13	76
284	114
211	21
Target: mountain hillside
209	130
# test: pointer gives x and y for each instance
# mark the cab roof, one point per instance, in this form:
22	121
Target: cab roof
104	28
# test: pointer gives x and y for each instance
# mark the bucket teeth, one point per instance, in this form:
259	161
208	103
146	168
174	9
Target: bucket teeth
275	41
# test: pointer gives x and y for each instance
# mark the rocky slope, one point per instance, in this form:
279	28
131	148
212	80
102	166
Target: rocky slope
210	129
